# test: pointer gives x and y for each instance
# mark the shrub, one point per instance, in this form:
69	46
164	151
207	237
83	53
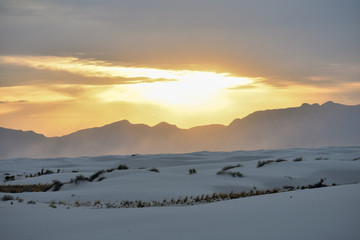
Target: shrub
56	185
122	167
96	175
154	170
299	159
25	188
52	205
318	185
262	163
233	174
80	178
48	172
7	198
230	167
355	159
280	160
192	171
31	202
100	179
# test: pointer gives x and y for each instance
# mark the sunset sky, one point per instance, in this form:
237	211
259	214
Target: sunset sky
73	64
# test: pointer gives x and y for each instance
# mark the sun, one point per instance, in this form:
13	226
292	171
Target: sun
191	88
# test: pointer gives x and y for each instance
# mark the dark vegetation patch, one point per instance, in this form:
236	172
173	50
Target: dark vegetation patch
199	199
321	158
42	172
262	163
56	184
25	188
299	159
122	167
224	171
231	167
192	171
96	175
7	198
228	173
154	170
356	159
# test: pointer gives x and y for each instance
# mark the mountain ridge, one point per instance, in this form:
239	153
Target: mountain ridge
309	125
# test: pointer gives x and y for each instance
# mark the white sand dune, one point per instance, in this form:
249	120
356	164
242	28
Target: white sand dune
321	213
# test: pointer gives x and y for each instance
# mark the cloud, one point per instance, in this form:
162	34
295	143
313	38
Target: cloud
19	101
280	41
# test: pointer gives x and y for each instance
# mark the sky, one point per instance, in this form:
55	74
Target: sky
69	65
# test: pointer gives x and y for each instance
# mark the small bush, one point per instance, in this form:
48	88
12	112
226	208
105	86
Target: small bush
25	188
262	163
56	185
80	178
154	170
230	167
192	171
232	174
52	205
75	171
48	172
280	160
7	198
299	159
31	202
355	159
122	167
96	175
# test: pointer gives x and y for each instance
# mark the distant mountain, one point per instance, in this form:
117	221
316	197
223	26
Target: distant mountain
315	125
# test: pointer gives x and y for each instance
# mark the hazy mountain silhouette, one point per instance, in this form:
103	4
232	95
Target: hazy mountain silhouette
330	124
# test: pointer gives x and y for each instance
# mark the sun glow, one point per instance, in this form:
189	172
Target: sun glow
139	84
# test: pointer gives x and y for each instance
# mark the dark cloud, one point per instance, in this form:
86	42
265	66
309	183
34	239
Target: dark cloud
282	41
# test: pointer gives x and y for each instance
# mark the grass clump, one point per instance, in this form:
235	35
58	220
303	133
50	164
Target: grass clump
52	205
122	167
299	159
56	185
95	175
280	160
232	174
31	202
230	167
25	188
154	170
7	198
262	163
192	171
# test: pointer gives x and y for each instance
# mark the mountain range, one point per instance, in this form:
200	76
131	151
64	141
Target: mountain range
329	124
